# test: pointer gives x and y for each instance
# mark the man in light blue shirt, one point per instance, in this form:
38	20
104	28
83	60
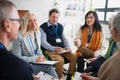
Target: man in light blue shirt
55	42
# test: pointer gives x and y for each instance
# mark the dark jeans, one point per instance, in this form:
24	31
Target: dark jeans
94	66
93	71
80	64
80	67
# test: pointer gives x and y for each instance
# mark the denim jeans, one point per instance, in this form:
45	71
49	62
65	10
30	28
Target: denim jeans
45	68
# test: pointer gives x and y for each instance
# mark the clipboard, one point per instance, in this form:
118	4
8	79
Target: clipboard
45	76
64	51
47	62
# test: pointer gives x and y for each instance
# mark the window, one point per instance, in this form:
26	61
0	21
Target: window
106	8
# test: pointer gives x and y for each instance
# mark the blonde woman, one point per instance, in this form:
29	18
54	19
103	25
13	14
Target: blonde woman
27	46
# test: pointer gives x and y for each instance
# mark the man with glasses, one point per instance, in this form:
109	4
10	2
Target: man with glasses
11	67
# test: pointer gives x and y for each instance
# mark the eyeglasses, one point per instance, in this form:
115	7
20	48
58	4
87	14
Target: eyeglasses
19	20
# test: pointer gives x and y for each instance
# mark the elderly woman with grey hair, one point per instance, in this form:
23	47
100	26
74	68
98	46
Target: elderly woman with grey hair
110	68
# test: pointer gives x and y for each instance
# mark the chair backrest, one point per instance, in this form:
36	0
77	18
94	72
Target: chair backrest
45	54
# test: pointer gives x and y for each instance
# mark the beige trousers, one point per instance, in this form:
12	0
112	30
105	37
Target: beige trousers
59	66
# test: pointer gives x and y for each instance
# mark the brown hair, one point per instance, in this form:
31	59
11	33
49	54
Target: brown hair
53	10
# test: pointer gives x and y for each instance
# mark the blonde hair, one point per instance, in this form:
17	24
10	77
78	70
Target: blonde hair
24	25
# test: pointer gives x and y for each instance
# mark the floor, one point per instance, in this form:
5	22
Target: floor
65	67
73	77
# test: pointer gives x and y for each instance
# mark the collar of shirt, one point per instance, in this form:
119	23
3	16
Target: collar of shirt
1	45
49	24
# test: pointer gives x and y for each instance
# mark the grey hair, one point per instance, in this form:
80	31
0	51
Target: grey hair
116	22
5	9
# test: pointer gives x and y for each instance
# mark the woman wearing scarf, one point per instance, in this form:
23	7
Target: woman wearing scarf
90	36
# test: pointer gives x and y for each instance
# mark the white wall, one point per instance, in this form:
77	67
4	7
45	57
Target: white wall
39	7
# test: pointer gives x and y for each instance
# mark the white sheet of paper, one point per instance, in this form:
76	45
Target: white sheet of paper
45	76
64	51
87	60
77	76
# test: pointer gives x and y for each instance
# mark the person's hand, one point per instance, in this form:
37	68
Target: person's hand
36	77
86	76
69	50
58	50
77	42
40	59
43	58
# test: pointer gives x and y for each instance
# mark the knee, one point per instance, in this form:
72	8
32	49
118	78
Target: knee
74	57
61	61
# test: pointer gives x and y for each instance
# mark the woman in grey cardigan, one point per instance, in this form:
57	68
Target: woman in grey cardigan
27	45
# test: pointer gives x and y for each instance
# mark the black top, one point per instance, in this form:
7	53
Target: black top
13	68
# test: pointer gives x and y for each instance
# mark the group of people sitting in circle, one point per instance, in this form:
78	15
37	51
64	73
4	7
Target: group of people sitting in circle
29	40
